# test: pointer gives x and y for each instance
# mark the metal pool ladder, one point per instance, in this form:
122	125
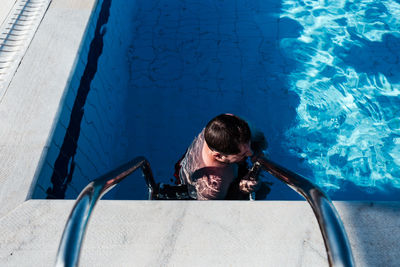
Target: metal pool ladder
335	238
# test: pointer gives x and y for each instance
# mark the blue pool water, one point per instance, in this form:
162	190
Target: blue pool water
347	78
319	78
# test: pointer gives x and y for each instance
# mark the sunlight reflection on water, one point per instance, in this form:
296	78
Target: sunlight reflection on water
348	82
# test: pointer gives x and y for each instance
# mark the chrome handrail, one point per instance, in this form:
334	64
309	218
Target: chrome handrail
74	231
335	238
334	235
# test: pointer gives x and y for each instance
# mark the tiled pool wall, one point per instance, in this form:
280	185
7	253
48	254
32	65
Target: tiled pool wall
100	135
168	67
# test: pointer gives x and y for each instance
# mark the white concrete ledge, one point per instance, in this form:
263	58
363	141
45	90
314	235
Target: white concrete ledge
143	233
31	103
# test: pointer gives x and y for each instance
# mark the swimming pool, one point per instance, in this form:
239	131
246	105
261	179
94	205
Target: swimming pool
318	78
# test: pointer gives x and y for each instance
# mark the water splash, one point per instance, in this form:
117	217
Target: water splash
348	82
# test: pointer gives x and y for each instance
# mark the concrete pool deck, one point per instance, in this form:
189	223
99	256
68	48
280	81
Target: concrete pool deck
143	233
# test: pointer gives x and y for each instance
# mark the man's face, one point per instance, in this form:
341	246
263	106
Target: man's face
245	151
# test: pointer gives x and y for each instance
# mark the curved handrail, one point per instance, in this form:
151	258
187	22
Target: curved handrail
71	241
335	238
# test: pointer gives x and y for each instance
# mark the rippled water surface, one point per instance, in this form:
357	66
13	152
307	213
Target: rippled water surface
347	78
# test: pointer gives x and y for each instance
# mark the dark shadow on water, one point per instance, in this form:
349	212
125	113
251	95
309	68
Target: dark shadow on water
64	165
373	57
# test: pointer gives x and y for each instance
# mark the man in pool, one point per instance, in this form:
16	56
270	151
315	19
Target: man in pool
212	165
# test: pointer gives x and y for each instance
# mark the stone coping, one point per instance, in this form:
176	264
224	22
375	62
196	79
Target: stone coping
199	233
31	104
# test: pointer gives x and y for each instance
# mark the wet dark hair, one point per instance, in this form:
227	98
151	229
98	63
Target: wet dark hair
225	133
